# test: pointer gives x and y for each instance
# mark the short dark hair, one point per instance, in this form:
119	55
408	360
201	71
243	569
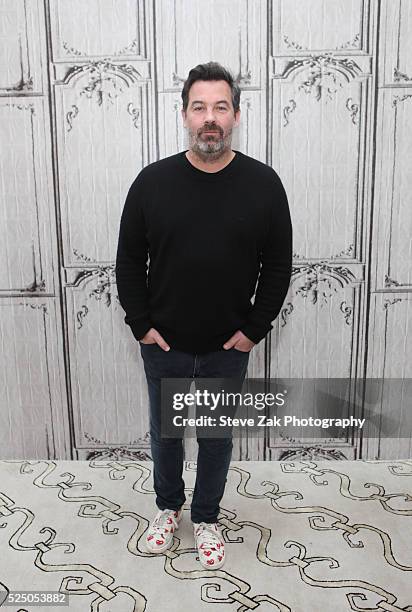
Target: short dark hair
212	71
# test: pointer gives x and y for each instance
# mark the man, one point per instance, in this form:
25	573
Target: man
215	225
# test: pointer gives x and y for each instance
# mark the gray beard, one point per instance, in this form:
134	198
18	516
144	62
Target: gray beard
210	149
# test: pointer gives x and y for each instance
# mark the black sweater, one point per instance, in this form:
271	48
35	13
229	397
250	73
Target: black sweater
207	235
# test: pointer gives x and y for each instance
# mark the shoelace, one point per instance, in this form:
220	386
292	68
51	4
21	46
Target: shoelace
160	522
208	535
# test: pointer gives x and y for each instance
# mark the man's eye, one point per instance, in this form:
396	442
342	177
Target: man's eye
221	108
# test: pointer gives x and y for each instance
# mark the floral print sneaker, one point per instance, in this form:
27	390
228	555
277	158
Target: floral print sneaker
210	545
159	536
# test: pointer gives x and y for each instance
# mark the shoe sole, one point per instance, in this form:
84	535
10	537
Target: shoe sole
163	548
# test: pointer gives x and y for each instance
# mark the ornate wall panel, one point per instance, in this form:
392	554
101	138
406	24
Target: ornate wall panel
192	34
395	48
321	144
93	179
317	330
390	325
33	399
316	336
313	25
34	420
319	108
100	28
390	357
104	134
28	237
107	381
22	38
393	220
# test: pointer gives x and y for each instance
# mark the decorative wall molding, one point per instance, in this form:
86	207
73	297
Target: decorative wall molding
25	82
327	74
353	108
115	454
390	282
35	306
135	113
287	110
347	311
70	115
344	308
21	106
400	76
321	280
323	74
35	286
130	49
349	44
398	99
105	79
285	312
144	440
390	302
348	252
104	278
344	252
306	453
291	44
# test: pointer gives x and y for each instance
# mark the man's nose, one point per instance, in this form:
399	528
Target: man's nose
210	116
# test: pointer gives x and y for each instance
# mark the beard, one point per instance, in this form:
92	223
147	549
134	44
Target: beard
210	147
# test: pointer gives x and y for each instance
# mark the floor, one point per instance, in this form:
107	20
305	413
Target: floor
324	537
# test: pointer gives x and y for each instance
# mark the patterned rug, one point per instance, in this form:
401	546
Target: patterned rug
302	536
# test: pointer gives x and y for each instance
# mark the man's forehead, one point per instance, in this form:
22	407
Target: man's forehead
207	89
201	100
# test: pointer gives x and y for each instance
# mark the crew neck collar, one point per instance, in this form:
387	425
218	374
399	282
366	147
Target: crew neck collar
209	176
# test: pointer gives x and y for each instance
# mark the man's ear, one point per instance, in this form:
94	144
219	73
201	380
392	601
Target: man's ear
237	117
183	113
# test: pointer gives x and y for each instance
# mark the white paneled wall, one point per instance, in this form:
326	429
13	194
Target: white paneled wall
90	94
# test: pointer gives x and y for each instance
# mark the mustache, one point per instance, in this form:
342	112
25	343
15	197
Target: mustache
210	129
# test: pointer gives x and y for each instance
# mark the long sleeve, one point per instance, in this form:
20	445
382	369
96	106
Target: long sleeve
275	271
131	262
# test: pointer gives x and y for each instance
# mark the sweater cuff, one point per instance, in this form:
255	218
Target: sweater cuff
255	332
139	327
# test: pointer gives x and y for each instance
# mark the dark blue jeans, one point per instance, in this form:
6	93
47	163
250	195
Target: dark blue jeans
214	454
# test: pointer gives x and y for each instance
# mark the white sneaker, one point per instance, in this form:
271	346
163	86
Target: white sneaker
159	536
210	545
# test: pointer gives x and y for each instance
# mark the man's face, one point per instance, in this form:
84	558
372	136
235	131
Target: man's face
210	108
